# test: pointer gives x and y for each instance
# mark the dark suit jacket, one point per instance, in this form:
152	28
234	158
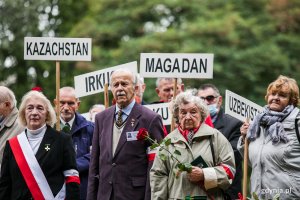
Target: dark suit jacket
53	162
230	127
126	173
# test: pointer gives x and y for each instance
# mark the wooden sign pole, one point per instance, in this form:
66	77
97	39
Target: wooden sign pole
106	97
174	96
245	173
57	95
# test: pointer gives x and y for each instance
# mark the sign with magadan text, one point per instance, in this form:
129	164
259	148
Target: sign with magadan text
240	107
177	65
58	49
163	110
93	82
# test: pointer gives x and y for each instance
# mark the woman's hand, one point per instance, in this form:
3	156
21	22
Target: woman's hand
196	174
244	129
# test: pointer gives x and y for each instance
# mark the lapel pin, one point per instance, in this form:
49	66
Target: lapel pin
132	122
47	147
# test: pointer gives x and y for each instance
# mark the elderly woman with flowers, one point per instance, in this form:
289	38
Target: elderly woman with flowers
191	141
274	148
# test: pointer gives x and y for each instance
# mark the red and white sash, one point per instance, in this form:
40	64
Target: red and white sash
31	170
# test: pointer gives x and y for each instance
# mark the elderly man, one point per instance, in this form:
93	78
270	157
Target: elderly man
120	164
164	89
81	130
9	126
229	126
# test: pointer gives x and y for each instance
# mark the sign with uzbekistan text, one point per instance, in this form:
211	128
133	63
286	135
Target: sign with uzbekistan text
163	110
240	107
52	48
177	65
93	82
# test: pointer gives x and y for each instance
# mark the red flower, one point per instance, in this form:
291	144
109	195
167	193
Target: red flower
142	134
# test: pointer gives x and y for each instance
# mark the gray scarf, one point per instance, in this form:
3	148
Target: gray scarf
271	121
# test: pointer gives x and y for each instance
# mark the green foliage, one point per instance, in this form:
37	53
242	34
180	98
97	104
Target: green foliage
253	41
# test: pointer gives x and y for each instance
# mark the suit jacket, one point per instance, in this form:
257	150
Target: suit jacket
8	129
53	162
126	173
230	127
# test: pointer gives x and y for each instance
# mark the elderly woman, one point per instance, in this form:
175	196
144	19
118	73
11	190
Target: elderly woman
274	150
40	162
193	139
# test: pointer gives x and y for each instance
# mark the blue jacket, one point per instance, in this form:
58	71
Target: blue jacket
82	135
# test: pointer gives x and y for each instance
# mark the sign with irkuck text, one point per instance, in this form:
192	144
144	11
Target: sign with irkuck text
240	107
163	110
93	82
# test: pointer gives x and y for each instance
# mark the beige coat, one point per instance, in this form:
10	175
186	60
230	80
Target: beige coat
164	184
9	128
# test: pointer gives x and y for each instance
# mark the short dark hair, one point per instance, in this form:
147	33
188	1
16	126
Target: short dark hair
209	85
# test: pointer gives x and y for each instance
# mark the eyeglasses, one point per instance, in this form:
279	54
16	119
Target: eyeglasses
209	98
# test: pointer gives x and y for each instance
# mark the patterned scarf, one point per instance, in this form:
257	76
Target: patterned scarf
272	121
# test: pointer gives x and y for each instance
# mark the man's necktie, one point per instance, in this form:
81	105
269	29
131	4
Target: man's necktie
190	137
66	128
119	121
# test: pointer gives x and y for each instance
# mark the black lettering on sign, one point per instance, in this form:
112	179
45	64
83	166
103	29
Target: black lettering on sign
185	63
98	81
29	52
42	47
159	66
167	67
149	65
176	66
203	65
85	48
165	113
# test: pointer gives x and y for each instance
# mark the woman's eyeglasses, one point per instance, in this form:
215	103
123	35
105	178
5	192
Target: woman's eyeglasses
209	98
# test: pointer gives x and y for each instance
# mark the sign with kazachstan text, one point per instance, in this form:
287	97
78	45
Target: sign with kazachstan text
177	65
93	82
52	48
240	107
163	110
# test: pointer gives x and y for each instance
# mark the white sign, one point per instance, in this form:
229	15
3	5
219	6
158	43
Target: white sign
163	110
52	48
177	65
93	82
240	107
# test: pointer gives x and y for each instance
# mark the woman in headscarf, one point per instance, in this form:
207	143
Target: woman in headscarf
274	149
40	162
194	140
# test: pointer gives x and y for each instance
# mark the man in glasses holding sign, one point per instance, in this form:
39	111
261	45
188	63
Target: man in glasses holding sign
229	126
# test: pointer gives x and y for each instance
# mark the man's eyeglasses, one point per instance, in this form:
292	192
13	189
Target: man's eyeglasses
209	98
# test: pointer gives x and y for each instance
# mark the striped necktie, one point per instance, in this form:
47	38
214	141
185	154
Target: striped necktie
190	136
66	128
119	121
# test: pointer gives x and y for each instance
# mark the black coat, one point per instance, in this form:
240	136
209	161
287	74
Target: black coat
53	162
230	127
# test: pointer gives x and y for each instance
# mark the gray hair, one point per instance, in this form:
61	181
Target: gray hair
70	90
7	95
158	80
51	117
212	86
124	70
185	98
101	106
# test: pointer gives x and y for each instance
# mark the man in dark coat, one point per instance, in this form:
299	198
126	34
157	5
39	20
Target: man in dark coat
229	126
120	163
81	131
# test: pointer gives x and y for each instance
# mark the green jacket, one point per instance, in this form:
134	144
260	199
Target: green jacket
164	184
